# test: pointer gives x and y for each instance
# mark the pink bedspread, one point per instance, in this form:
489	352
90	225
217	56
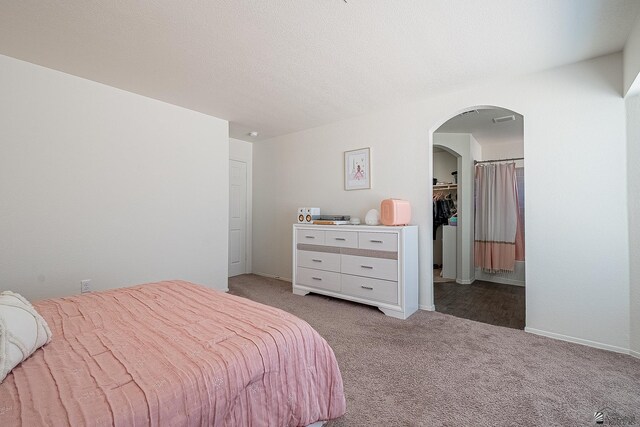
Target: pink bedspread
173	354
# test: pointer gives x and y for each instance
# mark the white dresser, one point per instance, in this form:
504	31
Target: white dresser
375	265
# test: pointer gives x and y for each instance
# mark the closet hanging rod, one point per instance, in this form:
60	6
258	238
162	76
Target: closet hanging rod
497	160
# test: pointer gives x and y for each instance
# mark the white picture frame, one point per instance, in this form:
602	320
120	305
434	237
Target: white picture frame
357	169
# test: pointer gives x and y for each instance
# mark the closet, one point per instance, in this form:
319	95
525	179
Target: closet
445	211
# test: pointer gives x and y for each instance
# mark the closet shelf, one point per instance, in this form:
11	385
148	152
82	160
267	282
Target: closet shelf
445	187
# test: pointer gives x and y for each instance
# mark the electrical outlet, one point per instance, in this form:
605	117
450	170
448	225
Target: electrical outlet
85	286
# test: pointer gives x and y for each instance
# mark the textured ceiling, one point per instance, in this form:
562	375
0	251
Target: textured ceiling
484	130
278	66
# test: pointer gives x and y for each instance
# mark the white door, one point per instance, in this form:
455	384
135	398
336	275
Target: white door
237	217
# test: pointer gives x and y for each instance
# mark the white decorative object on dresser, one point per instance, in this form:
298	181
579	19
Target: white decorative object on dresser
373	265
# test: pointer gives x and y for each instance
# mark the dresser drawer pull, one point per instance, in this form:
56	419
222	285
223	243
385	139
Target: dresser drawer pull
316	260
342	239
316	278
367	287
310	237
375	241
367	266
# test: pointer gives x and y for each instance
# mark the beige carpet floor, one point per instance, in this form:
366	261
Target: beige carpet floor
438	370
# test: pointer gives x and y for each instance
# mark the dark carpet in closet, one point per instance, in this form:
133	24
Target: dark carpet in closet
486	302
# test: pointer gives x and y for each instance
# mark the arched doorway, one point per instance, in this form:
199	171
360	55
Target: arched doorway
483	137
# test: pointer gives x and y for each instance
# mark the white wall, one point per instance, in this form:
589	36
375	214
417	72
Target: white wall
577	257
632	61
443	164
633	156
242	151
504	150
98	183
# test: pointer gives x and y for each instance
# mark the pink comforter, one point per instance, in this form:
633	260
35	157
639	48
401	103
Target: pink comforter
173	354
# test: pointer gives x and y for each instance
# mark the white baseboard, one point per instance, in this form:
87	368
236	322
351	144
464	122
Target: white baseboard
465	282
286	279
427	307
635	354
581	341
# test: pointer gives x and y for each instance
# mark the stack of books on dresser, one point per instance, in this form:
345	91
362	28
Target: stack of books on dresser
332	220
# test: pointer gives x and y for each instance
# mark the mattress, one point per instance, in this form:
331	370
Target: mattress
173	354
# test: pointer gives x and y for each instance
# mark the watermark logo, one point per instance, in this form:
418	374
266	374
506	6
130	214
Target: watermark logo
609	417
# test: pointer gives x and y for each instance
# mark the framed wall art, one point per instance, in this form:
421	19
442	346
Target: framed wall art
357	169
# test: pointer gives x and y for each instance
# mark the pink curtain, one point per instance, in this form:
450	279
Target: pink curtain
496	218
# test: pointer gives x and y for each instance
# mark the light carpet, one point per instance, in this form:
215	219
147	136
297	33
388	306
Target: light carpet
438	370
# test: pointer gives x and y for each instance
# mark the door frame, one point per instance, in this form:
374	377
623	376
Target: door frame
242	151
430	306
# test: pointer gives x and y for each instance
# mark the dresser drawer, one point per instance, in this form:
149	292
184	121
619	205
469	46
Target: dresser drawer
319	260
320	279
378	241
312	237
377	268
342	239
373	289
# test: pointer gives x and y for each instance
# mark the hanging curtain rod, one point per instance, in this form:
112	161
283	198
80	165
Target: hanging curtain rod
497	160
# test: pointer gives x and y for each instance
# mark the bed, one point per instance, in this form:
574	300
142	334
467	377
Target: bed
175	354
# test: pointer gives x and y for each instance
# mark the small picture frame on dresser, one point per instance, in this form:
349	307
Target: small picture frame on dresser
357	169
